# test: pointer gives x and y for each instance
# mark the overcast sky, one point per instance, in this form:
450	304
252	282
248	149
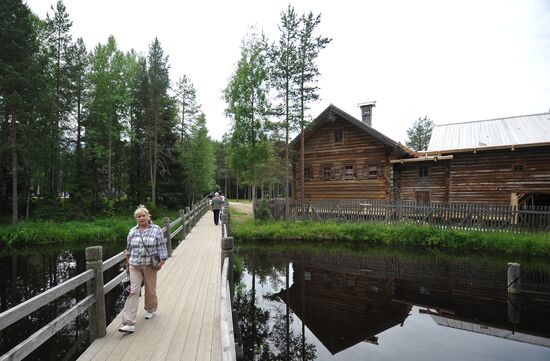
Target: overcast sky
453	61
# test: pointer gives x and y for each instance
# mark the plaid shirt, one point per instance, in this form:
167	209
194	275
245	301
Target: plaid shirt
154	241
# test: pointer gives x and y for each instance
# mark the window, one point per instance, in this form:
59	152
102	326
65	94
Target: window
307	173
338	136
372	171
348	171
326	172
307	276
517	168
423	171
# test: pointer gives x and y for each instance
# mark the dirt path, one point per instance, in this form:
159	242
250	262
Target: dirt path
242	207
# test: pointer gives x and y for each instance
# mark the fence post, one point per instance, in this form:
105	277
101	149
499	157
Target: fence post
227	251
182	217
188	220
166	221
98	323
225	222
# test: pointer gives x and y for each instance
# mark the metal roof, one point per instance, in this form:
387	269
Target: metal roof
526	129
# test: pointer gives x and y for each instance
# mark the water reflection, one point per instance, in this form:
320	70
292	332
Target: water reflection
306	305
30	272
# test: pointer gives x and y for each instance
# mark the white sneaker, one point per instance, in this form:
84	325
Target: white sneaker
149	315
127	328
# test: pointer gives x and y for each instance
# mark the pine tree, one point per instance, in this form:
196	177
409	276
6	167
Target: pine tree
284	73
419	134
158	123
18	46
189	109
309	48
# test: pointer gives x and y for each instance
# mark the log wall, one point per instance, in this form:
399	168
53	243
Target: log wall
358	149
483	177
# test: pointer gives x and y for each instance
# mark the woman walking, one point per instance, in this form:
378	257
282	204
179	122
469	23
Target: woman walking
145	255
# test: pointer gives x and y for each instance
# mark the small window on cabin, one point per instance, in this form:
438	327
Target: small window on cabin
348	171
423	172
307	173
307	276
350	283
326	172
518	168
338	136
372	171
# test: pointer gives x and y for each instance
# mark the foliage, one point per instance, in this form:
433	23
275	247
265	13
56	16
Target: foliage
392	235
262	213
419	134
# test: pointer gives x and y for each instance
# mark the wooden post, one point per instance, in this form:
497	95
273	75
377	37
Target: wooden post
225	222
227	251
182	232
98	323
188	220
514	308
166	221
514	278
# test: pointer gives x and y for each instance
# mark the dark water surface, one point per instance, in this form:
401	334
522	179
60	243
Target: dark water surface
377	305
25	273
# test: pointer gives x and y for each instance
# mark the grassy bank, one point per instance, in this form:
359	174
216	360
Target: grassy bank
401	236
40	233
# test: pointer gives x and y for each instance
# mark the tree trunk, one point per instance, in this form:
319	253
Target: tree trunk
13	140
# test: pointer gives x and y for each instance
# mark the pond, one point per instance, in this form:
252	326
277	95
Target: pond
322	304
26	273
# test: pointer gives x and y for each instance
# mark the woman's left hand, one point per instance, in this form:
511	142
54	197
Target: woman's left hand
161	263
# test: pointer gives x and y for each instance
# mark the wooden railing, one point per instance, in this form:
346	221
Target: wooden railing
229	327
482	217
96	290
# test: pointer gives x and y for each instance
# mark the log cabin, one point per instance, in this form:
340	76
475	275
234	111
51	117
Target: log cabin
498	161
345	158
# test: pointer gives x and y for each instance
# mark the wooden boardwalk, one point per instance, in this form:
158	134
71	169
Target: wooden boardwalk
187	323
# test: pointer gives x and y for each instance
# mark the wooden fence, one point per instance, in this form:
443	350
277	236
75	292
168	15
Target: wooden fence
482	217
94	302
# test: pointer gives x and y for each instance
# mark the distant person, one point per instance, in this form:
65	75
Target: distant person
145	255
216	207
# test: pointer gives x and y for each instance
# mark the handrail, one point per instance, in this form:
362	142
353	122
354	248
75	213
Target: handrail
227	335
96	294
24	309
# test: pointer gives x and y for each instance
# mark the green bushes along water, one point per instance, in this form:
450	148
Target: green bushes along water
40	233
395	235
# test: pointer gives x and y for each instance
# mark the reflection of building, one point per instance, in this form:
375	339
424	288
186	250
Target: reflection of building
343	309
347	299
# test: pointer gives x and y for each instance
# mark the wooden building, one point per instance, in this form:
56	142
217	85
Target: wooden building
500	161
345	158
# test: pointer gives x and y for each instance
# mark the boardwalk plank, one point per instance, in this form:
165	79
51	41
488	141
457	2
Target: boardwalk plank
186	326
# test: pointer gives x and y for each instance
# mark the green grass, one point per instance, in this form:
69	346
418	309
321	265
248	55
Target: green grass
358	234
40	233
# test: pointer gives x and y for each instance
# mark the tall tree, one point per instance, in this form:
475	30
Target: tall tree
139	89
308	72
107	107
284	74
419	134
247	103
60	38
189	109
198	160
158	124
18	45
78	66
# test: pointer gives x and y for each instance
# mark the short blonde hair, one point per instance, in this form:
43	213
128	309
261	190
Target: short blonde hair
141	209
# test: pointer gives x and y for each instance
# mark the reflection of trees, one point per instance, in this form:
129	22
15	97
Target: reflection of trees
268	335
32	272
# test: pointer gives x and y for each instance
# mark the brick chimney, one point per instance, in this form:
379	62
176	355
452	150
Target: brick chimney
366	112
